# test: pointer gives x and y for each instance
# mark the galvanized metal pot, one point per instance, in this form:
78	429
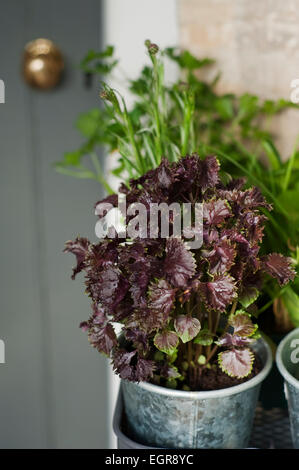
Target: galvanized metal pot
161	417
287	359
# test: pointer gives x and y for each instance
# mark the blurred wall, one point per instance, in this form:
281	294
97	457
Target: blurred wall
53	386
127	25
256	45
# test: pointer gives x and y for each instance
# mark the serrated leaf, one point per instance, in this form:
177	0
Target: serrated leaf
218	294
179	263
204	337
167	341
220	258
161	302
228	340
242	324
279	267
186	327
215	212
236	362
103	339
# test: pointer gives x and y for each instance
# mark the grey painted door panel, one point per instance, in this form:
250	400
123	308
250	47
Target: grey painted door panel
53	387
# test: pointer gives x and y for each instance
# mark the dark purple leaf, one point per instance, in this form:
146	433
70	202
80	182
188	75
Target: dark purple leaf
144	370
221	257
122	364
106	204
84	325
79	248
253	198
209	172
236	183
279	267
216	211
164	174
218	294
138	338
161	298
254	225
179	264
101	255
123	310
229	340
153	313
129	368
103	339
110	287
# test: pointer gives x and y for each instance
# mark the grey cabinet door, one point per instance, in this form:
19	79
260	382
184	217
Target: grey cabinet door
53	386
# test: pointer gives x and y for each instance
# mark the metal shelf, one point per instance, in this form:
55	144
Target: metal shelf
271	429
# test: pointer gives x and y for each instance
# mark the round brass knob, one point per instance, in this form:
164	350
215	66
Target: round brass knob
42	64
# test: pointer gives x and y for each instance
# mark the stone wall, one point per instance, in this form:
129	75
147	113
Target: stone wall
256	45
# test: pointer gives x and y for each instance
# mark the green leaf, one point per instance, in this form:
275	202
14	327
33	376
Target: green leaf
98	62
273	107
289	201
291	302
224	106
202	360
70	159
290	165
186	60
204	337
172	357
272	154
171	383
88	123
80	174
248	107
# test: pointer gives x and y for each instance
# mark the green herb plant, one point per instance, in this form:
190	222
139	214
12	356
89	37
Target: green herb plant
186	116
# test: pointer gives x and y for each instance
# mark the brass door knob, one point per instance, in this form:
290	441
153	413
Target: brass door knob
42	64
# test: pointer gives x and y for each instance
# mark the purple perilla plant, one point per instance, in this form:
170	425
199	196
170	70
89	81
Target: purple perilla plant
181	308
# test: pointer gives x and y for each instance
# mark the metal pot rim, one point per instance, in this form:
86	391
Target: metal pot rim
216	393
281	367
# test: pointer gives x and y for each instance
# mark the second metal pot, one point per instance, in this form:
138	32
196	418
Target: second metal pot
287	359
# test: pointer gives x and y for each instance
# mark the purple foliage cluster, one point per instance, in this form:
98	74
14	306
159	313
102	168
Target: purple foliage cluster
178	306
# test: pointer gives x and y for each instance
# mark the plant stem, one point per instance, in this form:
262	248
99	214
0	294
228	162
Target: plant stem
100	176
290	167
234	306
158	117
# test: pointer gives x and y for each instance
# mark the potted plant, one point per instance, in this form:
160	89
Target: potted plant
171	119
188	115
287	358
190	356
